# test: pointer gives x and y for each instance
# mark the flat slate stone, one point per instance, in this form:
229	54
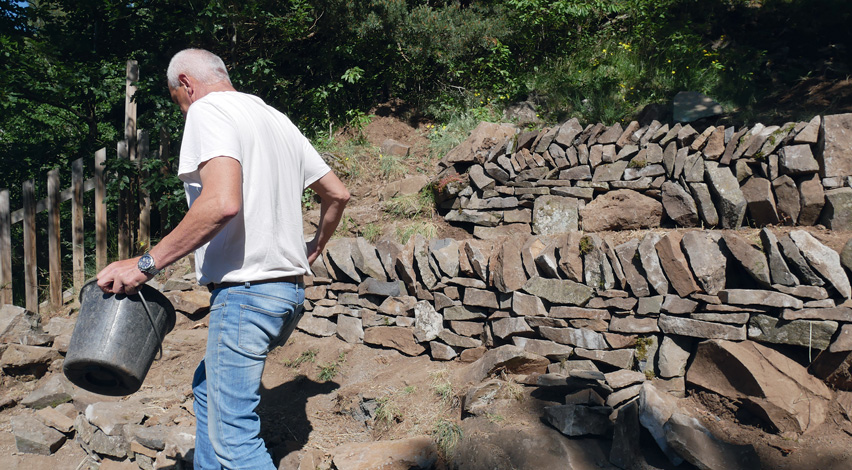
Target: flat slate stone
824	260
559	291
759	297
34	437
700	329
807	333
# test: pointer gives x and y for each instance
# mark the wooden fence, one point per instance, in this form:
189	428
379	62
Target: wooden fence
133	203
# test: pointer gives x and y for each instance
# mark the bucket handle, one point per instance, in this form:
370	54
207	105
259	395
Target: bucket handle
153	325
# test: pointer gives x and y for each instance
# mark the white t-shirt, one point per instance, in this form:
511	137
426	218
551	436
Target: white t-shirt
265	239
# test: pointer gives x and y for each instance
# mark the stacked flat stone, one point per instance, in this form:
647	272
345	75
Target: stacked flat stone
568	297
597	178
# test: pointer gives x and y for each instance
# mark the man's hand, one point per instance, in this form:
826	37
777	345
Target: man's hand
312	251
122	277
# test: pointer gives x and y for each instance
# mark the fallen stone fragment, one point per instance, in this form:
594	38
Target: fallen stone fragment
698	446
34	437
777	388
507	357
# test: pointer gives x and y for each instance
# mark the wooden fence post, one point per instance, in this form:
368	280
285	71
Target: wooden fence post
144	235
100	211
5	248
53	239
164	170
123	212
30	278
77	227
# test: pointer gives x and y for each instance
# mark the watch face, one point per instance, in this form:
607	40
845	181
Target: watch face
146	262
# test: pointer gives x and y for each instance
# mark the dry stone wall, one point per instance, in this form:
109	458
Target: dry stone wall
595	178
582	302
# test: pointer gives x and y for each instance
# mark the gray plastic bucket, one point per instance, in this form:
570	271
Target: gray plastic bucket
115	339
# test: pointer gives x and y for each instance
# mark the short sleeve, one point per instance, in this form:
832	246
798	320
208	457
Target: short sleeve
208	133
315	166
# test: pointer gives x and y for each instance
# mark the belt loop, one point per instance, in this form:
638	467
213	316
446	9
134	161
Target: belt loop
247	284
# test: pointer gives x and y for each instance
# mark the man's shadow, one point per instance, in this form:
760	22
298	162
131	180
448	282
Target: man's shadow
284	424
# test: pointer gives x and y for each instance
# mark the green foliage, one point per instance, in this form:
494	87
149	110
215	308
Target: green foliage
411	205
447	436
371	232
329	370
309	355
425	228
387	412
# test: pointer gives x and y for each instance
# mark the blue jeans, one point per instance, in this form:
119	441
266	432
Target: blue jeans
246	322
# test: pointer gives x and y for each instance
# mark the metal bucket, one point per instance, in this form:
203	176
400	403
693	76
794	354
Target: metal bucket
116	338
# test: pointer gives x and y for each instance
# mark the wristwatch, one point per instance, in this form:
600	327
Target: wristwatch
147	265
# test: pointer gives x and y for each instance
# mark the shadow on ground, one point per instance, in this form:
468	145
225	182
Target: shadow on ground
284	424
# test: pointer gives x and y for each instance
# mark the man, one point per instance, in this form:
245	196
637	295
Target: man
244	166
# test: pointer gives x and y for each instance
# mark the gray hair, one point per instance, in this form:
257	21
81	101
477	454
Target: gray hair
202	65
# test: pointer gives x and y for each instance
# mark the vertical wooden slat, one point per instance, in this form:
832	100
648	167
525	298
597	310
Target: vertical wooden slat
100	211
5	248
129	196
123	222
144	235
77	228
130	107
53	239
165	140
30	279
